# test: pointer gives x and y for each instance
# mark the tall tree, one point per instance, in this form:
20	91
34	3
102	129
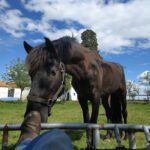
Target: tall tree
147	92
68	80
89	39
132	89
17	73
145	79
67	86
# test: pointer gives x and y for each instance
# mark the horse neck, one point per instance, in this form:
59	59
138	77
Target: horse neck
74	61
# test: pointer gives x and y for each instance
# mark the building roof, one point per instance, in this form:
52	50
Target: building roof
8	84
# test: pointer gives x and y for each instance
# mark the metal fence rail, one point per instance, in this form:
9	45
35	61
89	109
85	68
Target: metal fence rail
132	129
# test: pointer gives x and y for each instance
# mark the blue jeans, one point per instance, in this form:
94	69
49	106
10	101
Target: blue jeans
49	140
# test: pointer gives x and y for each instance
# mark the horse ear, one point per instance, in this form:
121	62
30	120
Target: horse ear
50	46
27	47
48	43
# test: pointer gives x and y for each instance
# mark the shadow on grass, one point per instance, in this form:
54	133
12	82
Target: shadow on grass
11	147
75	135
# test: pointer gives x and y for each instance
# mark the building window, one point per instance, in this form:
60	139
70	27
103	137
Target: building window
11	92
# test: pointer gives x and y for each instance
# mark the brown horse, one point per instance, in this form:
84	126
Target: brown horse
92	78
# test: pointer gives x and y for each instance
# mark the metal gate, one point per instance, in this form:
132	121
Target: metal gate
96	128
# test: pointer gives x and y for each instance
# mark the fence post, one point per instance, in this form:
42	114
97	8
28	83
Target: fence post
117	135
147	135
5	138
118	138
132	140
96	137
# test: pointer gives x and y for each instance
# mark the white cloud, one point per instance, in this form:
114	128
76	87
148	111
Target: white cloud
3	4
115	24
38	41
13	22
145	44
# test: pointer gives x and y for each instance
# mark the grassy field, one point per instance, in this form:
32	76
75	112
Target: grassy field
138	113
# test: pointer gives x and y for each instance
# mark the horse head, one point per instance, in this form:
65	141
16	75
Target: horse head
47	76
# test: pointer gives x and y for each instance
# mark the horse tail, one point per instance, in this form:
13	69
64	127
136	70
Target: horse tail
118	101
123	97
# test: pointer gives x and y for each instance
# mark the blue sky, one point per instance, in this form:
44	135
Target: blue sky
122	27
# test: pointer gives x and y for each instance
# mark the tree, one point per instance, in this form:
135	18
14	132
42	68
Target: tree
132	89
17	73
132	94
89	39
137	90
145	78
67	85
147	92
129	86
68	80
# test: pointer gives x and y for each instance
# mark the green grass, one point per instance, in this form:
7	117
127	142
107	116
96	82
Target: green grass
138	113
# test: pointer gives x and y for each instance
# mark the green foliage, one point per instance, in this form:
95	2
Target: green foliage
129	86
89	39
132	94
68	80
146	78
132	89
147	92
17	73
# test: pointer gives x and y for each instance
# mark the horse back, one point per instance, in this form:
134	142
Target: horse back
113	77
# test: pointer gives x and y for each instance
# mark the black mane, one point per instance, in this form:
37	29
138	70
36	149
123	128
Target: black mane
64	44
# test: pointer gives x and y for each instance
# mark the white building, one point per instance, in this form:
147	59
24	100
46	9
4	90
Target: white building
9	91
70	95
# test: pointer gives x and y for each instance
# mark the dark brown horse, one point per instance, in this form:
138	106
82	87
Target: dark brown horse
92	78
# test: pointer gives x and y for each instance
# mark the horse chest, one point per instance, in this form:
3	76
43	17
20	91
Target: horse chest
81	86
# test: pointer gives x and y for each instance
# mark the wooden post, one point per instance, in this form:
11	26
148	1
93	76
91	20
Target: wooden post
5	138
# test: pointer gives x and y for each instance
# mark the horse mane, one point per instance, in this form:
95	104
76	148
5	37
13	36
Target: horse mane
37	57
64	45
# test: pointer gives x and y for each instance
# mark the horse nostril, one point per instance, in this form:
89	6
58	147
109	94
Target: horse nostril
53	73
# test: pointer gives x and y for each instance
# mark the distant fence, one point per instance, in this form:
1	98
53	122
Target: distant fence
140	97
96	128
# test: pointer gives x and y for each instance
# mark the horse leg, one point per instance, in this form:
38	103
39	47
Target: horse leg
116	109
124	109
106	104
84	105
94	116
